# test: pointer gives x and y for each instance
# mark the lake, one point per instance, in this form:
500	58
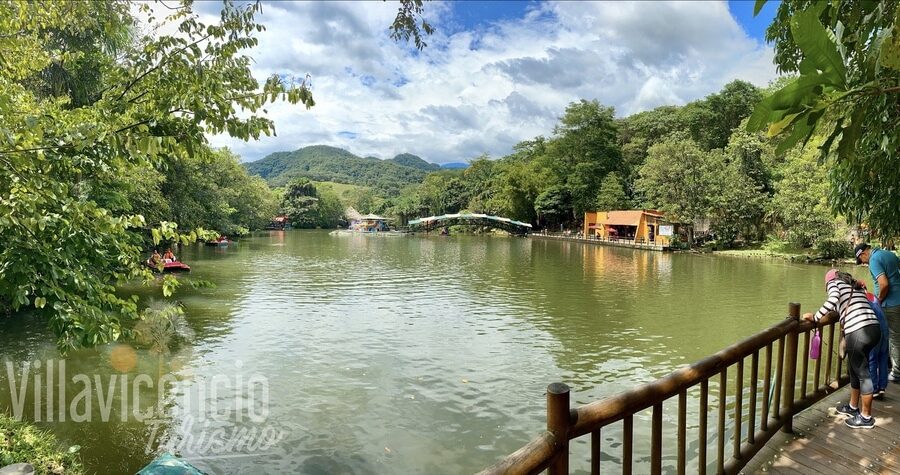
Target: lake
361	354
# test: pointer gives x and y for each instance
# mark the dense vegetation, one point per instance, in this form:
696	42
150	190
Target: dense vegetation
23	443
309	205
847	92
103	147
691	161
695	162
324	163
210	190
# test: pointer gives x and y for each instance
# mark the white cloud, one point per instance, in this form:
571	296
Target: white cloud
473	92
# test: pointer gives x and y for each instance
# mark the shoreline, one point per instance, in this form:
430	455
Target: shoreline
785	256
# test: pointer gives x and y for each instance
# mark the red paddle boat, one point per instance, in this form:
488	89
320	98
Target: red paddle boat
171	266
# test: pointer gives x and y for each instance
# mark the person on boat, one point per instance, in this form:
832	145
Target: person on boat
155	258
847	298
169	256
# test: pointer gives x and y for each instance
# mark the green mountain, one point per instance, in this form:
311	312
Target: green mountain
414	161
324	163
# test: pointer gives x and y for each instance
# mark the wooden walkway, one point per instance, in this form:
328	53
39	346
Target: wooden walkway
602	242
821	443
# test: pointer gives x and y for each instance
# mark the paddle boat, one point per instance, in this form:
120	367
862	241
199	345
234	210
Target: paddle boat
167	267
221	241
168	464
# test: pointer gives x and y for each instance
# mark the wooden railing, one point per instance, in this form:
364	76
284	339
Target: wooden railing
640	243
788	392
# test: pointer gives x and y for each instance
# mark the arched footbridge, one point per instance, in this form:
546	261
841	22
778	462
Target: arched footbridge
469	219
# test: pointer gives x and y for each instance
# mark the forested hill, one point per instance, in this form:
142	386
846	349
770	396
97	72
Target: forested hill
324	163
410	160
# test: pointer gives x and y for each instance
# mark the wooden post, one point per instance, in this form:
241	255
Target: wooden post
627	444
558	425
656	440
790	371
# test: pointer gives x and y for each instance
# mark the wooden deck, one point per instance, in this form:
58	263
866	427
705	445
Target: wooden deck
821	443
602	242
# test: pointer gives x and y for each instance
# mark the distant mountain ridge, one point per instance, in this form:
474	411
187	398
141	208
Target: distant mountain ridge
410	160
326	163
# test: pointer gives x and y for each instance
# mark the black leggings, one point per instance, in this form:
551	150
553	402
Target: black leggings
859	345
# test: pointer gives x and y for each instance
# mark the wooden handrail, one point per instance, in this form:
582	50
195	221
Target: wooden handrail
611	409
548	449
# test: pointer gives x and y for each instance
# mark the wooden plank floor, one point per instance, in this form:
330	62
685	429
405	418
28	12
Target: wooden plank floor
821	443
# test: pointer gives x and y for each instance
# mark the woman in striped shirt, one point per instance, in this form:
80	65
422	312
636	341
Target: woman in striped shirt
847	298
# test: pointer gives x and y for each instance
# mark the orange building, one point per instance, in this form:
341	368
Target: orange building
641	226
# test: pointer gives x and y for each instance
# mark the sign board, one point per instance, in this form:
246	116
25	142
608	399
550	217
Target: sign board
666	230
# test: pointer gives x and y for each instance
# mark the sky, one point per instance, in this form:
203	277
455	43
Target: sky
494	73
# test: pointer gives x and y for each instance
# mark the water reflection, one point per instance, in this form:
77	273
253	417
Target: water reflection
421	354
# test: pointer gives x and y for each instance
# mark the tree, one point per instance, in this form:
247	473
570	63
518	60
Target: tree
329	211
639	132
408	205
443	192
800	204
755	157
728	108
519	181
675	179
585	150
311	206
144	104
552	206
847	54
299	203
452	195
736	202
213	190
410	23
612	194
478	180
362	199
91	114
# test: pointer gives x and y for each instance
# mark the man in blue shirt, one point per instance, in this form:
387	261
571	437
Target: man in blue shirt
885	269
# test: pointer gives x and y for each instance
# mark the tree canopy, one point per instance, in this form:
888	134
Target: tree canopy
846	55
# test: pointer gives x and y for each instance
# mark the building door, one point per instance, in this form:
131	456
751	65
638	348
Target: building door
652	233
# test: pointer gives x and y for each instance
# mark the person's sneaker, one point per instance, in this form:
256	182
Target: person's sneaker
860	422
846	410
878	395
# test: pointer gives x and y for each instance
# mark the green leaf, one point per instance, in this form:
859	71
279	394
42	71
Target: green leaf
812	39
793	97
801	92
890	48
777	127
851	134
761	115
802	130
40	302
156	236
758	6
826	145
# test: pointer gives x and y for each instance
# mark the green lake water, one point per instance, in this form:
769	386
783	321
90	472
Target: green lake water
354	354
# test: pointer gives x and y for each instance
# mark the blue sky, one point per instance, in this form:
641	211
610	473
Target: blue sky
495	72
473	15
742	10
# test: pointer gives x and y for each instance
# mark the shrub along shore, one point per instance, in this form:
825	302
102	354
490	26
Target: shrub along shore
21	442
